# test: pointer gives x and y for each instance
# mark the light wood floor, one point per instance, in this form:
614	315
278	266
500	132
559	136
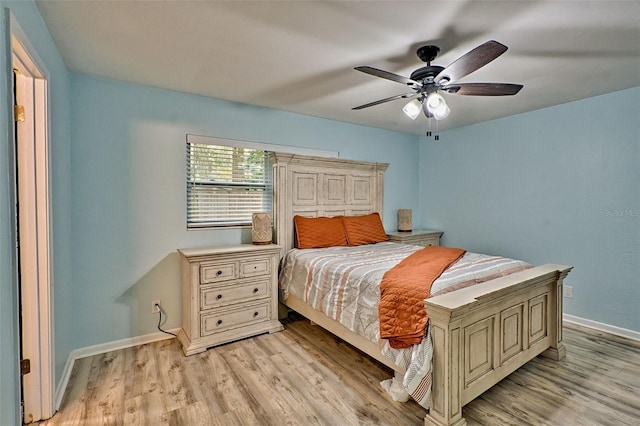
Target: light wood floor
304	376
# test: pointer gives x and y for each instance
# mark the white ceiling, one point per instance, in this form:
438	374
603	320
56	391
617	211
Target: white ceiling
299	55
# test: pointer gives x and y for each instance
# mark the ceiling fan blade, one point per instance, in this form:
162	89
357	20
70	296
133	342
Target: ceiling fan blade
483	89
388	75
381	101
471	61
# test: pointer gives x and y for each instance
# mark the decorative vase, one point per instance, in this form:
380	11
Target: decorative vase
404	220
261	232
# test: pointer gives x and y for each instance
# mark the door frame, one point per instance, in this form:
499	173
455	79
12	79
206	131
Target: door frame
33	172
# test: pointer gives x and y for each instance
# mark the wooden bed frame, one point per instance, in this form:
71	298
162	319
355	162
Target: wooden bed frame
480	334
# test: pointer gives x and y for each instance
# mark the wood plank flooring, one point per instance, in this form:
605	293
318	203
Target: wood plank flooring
305	376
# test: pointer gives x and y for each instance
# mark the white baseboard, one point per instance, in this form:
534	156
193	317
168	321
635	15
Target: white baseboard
611	329
64	381
100	349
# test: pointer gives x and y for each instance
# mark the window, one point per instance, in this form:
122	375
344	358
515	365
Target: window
228	180
226	184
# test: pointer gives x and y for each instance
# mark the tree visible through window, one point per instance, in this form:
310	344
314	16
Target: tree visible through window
226	184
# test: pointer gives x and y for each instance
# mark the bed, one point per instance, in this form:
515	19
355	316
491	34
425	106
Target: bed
479	334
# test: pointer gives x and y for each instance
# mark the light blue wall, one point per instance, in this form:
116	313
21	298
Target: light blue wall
128	174
39	42
558	185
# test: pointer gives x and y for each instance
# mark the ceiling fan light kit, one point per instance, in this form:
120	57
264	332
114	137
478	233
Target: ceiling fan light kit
413	108
436	106
427	82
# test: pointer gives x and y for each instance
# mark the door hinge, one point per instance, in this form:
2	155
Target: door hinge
18	112
25	366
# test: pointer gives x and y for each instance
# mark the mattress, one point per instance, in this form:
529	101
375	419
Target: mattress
344	284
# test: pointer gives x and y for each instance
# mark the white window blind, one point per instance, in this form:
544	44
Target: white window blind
226	184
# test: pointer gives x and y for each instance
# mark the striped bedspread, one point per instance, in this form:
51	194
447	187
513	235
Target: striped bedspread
344	284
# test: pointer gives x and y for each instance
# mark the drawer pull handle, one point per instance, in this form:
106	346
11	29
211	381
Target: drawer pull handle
219	322
255	290
255	314
219	273
219	297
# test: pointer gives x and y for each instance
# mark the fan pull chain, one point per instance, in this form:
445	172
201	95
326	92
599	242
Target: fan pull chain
436	136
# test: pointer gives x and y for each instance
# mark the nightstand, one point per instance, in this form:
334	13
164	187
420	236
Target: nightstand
228	293
418	237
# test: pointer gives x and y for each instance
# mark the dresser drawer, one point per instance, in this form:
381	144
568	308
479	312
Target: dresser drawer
211	297
217	272
432	241
255	267
228	293
416	237
216	322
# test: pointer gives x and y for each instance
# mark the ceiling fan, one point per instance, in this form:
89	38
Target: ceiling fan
427	82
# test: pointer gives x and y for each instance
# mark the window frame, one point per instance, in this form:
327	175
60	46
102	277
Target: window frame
267	185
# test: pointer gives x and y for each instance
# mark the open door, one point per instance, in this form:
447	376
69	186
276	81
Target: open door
33	234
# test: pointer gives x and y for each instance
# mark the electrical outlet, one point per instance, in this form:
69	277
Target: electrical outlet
568	292
155	306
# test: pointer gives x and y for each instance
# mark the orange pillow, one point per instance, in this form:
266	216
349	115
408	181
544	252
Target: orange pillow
317	232
366	229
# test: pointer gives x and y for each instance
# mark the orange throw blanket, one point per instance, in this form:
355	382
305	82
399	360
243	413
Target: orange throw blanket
403	288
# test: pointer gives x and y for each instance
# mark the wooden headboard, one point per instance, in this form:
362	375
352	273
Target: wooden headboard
317	186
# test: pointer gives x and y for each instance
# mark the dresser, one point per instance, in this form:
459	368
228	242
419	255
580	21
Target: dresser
418	237
228	293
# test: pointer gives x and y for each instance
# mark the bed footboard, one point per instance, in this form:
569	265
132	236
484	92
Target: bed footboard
483	333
